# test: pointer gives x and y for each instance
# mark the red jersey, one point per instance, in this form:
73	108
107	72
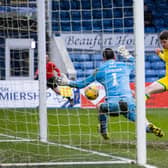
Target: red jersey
50	68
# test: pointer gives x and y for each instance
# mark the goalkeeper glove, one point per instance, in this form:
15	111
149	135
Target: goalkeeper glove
124	52
63	80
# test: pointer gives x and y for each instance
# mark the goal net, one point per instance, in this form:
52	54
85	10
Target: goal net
84	28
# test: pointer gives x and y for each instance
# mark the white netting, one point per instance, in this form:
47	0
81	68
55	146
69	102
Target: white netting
87	27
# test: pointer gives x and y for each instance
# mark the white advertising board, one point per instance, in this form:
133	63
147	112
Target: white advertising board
25	94
93	41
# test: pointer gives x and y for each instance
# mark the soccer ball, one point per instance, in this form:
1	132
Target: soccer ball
91	92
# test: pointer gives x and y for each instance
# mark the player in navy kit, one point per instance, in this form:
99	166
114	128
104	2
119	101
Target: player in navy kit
115	77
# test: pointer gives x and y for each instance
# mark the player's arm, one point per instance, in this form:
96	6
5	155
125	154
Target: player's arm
82	83
57	70
77	84
161	54
36	74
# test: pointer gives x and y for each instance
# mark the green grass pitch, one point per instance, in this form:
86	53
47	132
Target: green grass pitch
72	130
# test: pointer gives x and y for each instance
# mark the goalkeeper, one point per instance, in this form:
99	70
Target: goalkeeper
160	85
114	76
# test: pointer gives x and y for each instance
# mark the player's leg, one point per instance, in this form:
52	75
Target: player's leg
57	90
150	127
156	87
127	104
102	117
131	115
51	83
128	110
105	109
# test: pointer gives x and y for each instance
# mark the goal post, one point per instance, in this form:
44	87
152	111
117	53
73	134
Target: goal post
42	68
140	80
40	128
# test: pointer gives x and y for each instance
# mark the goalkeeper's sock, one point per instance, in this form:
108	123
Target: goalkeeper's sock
147	96
104	135
103	123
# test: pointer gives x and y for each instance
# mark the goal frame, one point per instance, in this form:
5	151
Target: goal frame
138	6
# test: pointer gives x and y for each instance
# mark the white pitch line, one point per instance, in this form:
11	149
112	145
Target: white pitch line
61	163
93	152
19	139
15	138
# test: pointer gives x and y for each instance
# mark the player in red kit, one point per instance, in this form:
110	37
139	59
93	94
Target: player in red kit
51	72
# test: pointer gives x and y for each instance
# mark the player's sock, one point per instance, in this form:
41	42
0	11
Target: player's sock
147	96
104	135
155	130
103	125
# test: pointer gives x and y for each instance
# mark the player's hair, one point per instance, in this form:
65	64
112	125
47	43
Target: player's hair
163	35
108	54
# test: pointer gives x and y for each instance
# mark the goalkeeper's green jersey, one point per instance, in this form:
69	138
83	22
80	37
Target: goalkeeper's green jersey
164	56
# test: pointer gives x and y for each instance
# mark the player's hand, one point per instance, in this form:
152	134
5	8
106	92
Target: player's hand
157	51
62	81
123	52
36	77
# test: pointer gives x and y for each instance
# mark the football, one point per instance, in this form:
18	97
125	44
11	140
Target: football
92	92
